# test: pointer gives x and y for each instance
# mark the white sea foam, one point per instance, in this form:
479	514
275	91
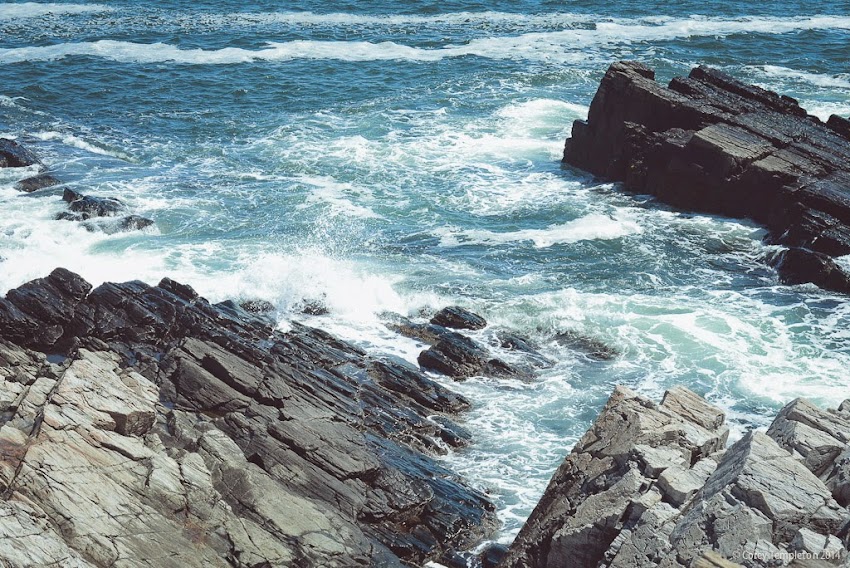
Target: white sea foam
341	197
130	52
824	109
80	143
542	112
588	228
839	81
33	244
557	46
337	19
37	9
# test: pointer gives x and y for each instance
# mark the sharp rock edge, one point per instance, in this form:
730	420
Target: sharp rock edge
142	425
653	485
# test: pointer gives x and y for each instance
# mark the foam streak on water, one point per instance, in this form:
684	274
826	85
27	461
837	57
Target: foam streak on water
396	159
563	45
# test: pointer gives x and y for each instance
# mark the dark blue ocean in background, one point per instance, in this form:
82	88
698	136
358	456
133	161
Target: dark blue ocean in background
397	157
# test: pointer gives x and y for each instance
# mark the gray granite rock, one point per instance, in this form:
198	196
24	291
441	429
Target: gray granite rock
821	439
652	485
609	482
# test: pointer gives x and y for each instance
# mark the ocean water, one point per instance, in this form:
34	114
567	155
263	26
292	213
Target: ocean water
385	157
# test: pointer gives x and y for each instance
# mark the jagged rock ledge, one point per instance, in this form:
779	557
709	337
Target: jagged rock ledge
653	485
143	426
710	143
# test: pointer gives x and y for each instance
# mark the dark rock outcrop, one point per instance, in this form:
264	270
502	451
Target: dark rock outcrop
651	485
100	213
36	182
257	306
425	332
314	308
14	155
710	143
800	266
88	206
455	317
459	356
181	433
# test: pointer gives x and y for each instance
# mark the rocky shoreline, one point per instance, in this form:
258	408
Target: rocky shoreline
143	425
654	484
105	214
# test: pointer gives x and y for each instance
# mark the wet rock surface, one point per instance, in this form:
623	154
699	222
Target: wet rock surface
653	485
710	143
176	432
457	355
590	346
100	213
36	182
88	206
456	317
96	214
460	357
15	155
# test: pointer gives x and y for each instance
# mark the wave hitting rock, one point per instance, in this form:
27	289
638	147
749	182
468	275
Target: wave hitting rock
710	143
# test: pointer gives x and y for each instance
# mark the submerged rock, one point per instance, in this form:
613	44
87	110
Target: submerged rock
183	433
37	182
651	485
590	346
460	357
710	143
100	214
14	155
521	344
88	206
134	223
455	317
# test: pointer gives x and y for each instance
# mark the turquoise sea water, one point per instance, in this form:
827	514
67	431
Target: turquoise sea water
397	157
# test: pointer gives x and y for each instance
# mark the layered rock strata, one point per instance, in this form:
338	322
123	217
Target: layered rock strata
653	485
143	426
710	143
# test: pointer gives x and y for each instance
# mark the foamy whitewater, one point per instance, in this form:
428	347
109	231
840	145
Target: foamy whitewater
400	157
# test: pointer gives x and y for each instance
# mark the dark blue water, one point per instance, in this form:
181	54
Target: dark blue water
386	157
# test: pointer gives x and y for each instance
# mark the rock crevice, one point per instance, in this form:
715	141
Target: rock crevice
653	485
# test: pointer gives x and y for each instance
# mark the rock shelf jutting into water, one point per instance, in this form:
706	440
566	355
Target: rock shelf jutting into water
710	143
142	425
